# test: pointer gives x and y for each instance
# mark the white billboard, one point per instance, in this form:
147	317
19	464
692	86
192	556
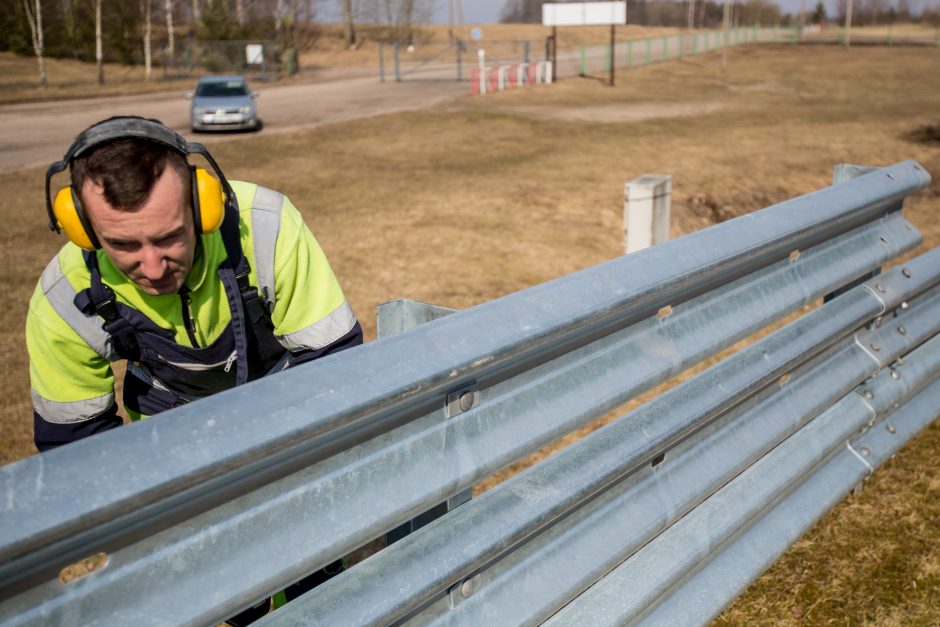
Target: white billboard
584	13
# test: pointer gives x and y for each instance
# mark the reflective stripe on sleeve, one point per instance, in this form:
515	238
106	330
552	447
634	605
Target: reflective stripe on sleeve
61	295
265	225
322	333
72	412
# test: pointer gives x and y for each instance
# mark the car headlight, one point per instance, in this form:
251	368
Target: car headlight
199	111
246	109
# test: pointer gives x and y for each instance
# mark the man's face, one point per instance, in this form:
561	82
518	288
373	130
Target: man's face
153	245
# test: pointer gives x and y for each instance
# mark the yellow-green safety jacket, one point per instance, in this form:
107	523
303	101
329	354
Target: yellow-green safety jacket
184	346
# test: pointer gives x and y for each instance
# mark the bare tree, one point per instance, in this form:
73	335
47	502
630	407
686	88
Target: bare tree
240	12
99	53
148	54
35	27
692	13
169	30
349	23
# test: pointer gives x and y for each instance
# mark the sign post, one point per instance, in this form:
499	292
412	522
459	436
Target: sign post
584	14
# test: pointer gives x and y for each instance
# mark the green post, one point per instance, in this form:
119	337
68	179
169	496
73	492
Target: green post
649	51
841	36
583	62
891	34
629	53
681	41
754	34
695	43
796	33
608	59
665	48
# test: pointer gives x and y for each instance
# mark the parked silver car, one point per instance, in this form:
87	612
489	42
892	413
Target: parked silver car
223	103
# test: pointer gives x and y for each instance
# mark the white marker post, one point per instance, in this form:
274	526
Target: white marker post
480	54
646	207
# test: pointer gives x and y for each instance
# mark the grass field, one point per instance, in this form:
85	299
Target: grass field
463	203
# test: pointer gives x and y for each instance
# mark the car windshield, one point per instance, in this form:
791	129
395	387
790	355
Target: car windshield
221	89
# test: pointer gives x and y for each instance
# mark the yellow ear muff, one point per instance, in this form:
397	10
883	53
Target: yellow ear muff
210	200
67	216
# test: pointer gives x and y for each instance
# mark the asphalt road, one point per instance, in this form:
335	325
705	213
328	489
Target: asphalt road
36	134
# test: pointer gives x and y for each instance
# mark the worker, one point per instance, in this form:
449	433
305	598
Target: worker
198	283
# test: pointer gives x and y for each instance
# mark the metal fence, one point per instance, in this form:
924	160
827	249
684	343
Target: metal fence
259	59
203	511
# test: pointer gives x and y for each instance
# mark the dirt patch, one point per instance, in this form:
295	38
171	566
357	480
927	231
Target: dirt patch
928	134
620	112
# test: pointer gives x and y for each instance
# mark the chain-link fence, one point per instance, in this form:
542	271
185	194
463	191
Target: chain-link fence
401	61
259	59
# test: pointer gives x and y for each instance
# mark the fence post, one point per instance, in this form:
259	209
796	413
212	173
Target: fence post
646	209
459	45
525	51
381	62
481	55
649	51
583	61
629	53
665	48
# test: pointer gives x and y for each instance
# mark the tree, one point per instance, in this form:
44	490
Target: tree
148	56
35	26
349	23
169	29
99	52
819	14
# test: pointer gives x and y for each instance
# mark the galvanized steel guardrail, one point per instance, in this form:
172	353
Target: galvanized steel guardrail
205	510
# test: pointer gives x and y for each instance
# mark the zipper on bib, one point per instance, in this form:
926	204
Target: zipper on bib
188	316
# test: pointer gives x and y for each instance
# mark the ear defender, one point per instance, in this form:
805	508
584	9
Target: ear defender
70	218
208	201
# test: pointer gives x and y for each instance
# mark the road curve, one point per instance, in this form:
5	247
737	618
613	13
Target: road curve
36	134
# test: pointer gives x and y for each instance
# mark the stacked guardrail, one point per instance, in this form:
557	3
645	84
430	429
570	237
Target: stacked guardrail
665	513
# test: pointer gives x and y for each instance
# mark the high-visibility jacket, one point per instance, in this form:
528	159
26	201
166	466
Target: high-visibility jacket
183	344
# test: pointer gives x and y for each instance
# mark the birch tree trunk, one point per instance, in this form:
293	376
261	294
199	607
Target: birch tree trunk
240	11
691	14
148	54
99	54
194	18
35	26
169	31
279	24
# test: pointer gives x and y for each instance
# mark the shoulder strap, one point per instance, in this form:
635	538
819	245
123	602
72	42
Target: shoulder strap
99	299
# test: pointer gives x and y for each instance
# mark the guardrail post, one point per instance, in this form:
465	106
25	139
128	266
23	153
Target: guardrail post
396	317
842	172
646	207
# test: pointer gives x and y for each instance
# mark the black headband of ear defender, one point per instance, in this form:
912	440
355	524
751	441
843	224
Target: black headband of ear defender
128	126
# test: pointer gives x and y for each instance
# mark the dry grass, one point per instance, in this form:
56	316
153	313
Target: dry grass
463	203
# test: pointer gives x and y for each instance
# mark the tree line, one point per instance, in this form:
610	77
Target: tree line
137	31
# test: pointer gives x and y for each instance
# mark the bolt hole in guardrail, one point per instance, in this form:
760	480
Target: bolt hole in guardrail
84	567
656	461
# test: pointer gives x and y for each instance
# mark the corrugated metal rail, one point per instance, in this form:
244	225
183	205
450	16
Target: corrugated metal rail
203	511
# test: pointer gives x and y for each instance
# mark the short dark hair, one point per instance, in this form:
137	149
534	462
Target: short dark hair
127	169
